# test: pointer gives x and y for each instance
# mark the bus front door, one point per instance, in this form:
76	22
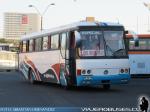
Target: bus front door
67	74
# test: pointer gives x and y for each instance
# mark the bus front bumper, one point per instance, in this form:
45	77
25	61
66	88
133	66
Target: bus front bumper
102	79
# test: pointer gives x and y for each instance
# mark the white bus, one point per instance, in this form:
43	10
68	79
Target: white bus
139	56
80	54
4	47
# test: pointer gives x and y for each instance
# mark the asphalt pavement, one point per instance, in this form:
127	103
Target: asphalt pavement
15	91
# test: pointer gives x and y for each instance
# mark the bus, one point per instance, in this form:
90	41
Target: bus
139	56
85	53
4	47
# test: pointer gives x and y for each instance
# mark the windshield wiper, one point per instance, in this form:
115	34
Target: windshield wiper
109	49
118	51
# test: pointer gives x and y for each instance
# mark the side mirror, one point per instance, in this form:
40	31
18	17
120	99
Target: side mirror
77	38
136	42
126	32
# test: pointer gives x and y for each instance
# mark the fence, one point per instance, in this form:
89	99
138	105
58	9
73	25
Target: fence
8	60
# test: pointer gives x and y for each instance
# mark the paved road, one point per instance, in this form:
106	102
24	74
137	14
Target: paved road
15	91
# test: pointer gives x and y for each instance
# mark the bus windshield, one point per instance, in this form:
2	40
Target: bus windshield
91	43
114	43
98	43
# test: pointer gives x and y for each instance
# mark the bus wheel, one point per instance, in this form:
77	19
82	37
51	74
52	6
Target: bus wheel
106	86
67	87
31	79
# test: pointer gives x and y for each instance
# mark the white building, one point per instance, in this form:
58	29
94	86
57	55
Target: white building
18	24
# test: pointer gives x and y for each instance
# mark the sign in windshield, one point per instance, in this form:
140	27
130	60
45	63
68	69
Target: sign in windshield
91	43
98	43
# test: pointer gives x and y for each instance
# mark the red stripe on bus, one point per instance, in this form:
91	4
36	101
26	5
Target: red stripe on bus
36	71
30	63
139	36
56	67
138	52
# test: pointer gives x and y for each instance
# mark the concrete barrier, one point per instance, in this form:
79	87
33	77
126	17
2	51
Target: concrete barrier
8	61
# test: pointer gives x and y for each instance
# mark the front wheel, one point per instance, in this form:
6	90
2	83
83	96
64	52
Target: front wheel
106	86
31	77
64	82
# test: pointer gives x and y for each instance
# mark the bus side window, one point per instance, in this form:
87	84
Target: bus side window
148	44
38	44
64	45
31	43
55	41
21	47
49	42
27	46
24	46
45	43
131	44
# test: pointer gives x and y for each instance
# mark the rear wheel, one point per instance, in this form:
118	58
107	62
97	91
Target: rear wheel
106	86
31	79
66	87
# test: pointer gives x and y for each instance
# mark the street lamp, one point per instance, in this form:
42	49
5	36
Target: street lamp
147	5
41	14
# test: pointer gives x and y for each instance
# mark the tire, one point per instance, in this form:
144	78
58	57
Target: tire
106	86
66	87
31	79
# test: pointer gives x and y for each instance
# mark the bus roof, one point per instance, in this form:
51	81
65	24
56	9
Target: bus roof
139	36
67	27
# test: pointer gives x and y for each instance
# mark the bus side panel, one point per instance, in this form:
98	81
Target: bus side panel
139	64
45	65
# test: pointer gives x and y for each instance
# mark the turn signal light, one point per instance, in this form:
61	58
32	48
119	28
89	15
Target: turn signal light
79	72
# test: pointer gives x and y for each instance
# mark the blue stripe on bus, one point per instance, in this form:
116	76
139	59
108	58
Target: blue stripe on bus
102	79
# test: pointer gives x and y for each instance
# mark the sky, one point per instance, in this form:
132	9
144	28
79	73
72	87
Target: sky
131	13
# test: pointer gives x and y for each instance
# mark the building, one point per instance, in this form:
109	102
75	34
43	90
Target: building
18	24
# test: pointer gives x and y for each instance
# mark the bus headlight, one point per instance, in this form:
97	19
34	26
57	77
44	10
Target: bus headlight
106	72
122	71
126	70
88	71
84	72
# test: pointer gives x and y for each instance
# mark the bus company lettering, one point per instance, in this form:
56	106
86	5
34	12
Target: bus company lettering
49	76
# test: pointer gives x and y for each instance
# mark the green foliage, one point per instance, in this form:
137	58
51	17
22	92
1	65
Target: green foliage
9	41
3	41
